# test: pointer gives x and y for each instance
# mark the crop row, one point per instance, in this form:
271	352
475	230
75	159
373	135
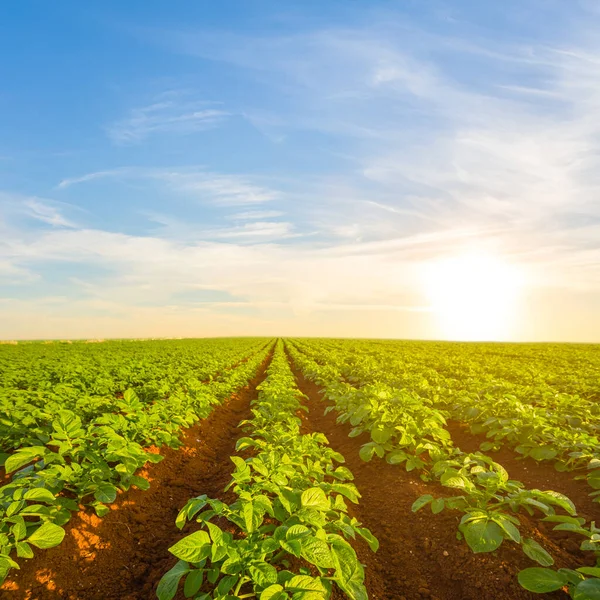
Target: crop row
408	428
541	410
286	534
67	461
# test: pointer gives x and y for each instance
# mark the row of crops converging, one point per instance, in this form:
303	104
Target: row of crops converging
78	422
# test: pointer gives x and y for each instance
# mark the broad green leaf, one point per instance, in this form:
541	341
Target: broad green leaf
106	493
193	582
47	535
317	552
263	574
587	590
421	501
541	581
305	587
24	550
543	453
226	584
39	495
591	571
314	498
482	535
366	452
190	548
22	456
273	592
537	552
167	586
369	537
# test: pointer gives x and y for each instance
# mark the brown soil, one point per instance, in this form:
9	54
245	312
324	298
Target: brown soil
419	556
123	555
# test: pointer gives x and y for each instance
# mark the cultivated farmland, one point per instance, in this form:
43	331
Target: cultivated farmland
301	469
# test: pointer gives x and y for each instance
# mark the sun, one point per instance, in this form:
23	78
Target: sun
473	296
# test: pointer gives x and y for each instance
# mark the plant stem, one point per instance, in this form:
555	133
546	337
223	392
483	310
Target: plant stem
238	587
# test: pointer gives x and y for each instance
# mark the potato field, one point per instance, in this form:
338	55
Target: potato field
299	469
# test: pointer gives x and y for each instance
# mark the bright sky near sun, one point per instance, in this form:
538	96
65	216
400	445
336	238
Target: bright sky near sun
409	168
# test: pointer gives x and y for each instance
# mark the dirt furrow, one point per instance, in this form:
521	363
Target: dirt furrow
419	556
123	555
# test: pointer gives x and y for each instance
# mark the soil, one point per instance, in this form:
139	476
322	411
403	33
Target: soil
419	556
123	555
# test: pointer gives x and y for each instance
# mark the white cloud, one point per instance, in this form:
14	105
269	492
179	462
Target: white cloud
169	114
431	160
255	214
193	182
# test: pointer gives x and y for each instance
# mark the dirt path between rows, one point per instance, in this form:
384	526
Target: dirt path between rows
123	555
419	556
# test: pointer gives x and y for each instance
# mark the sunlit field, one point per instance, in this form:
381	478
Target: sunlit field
299	468
300	300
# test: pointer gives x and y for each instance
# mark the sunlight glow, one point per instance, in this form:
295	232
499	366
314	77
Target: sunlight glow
473	296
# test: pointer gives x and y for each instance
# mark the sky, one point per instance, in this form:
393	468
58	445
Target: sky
408	169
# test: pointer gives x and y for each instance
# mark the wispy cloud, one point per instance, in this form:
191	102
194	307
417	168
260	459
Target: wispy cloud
255	214
42	210
170	113
206	186
391	147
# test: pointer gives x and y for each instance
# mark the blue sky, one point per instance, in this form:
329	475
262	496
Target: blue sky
220	168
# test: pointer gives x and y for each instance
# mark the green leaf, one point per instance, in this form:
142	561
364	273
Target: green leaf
396	457
39	494
19	529
541	581
193	582
190	548
317	552
24	550
592	571
106	493
314	498
305	587
510	529
169	582
482	535
437	506
140	482
47	536
587	590
380	435
366	452
543	453
422	501
101	509
263	574
273	592
537	552
369	537
226	584
23	456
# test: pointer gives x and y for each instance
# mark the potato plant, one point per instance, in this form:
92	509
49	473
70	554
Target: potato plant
406	426
65	460
290	522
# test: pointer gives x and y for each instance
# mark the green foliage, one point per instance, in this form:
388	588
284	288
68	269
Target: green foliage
542	401
291	506
75	422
